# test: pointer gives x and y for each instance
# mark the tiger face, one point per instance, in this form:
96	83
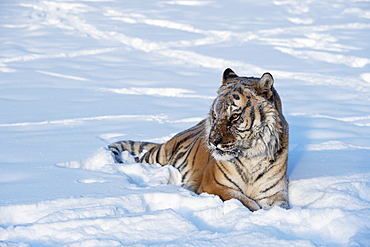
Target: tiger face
243	120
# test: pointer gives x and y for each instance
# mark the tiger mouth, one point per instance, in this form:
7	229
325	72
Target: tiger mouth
225	154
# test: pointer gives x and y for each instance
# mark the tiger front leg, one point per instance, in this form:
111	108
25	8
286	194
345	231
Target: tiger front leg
251	204
215	182
279	199
228	193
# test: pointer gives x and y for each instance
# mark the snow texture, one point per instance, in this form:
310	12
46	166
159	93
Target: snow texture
78	75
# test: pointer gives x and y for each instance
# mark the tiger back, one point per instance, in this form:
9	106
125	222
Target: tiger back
239	151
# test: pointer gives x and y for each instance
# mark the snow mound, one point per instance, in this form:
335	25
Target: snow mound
139	173
332	210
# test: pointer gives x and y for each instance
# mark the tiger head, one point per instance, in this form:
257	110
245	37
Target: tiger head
244	118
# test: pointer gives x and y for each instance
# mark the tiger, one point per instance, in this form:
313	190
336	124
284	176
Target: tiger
239	151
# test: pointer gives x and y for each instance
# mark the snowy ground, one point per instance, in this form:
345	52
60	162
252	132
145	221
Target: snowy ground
77	75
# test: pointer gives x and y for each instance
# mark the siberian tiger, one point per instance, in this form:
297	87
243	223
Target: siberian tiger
240	150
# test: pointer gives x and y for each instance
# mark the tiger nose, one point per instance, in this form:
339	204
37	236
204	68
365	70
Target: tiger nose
215	142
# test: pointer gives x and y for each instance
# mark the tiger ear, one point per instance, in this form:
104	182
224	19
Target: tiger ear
228	74
266	82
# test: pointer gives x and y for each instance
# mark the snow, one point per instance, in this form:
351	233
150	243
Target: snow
78	75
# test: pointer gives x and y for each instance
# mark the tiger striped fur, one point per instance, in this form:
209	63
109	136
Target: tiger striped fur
239	151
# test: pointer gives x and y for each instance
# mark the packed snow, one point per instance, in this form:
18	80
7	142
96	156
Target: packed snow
77	75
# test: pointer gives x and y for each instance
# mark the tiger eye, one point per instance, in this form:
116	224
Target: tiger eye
235	117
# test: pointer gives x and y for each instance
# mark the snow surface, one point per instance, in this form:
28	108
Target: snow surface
77	75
